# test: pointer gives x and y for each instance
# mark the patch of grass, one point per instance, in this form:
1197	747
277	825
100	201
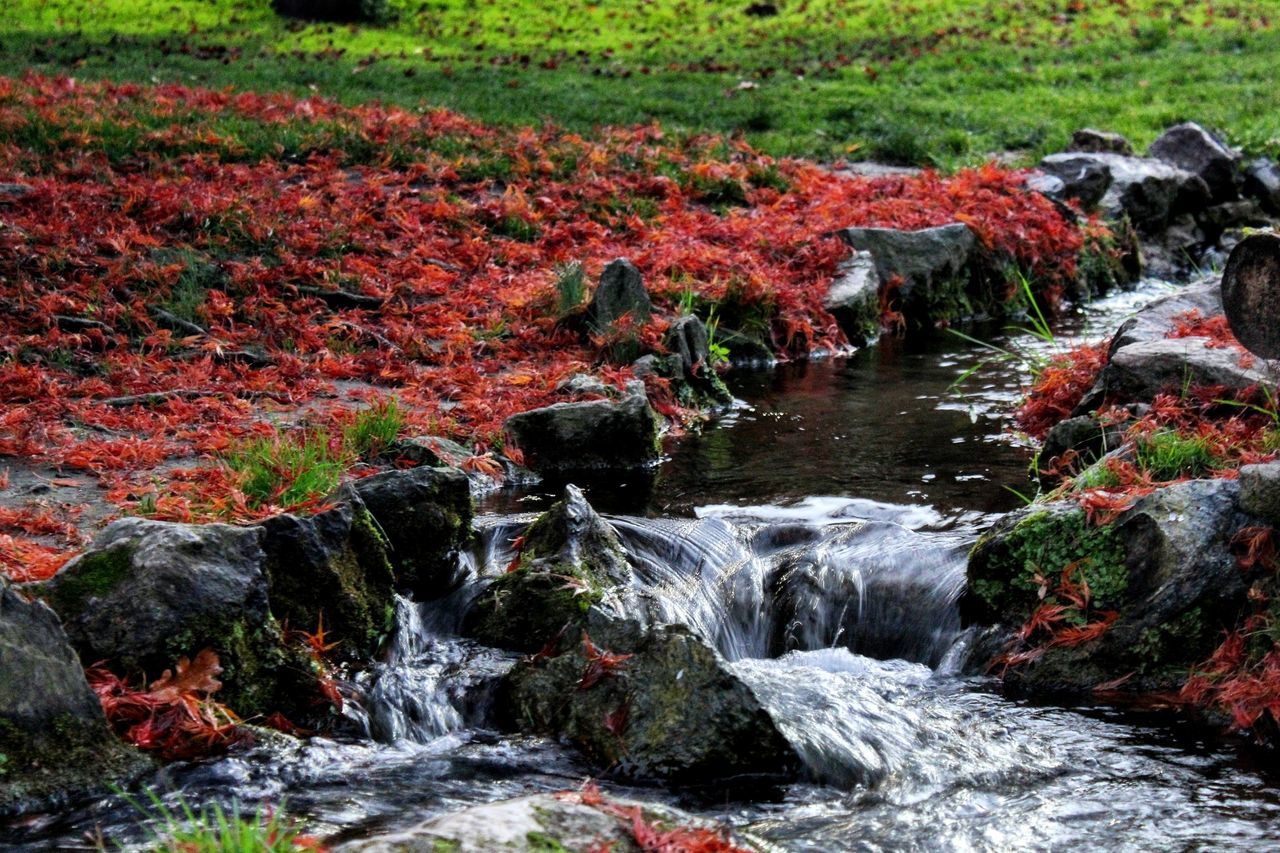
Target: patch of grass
824	78
212	829
375	429
1166	455
287	469
571	288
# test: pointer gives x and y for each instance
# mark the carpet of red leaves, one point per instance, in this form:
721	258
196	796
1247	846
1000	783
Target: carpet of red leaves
319	256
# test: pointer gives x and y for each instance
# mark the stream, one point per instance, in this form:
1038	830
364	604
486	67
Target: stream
860	482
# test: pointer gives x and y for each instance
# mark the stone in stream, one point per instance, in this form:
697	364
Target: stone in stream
1166	567
689	364
1190	147
854	298
54	740
934	265
1091	141
1251	293
600	434
620	293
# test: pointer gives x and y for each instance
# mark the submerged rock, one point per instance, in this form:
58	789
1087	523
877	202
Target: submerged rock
149	592
540	823
1193	149
425	516
1165	567
53	737
600	434
854	299
935	266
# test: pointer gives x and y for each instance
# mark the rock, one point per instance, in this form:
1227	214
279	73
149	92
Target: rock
673	711
854	299
540	823
53	736
149	592
1173	252
1081	178
1142	370
1082	437
691	365
1165	566
1231	214
571	560
1251	294
1156	319
1262	182
425	515
619	293
331	569
429	450
600	434
1048	185
1260	491
934	264
1090	141
1190	147
584	384
1147	191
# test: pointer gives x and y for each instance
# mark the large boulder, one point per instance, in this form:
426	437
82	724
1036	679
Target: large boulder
599	434
620	293
657	704
1165	567
424	515
1193	149
570	561
1139	371
935	268
54	740
1146	191
331	570
540	823
149	592
854	298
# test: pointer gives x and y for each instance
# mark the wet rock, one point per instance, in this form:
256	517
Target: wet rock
934	264
690	364
331	569
1174	251
541	823
149	592
1146	191
425	516
53	737
1142	370
582	436
672	711
1262	182
619	293
1081	439
1165	567
854	299
1193	149
570	561
1260	491
1090	141
1155	320
1081	179
1251	293
429	450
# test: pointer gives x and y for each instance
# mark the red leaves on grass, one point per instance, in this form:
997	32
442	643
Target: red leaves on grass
176	716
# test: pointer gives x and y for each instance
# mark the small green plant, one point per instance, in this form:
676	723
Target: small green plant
717	353
287	469
374	429
213	830
1167	455
571	288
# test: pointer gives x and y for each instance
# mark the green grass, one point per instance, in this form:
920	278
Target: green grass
1168	456
373	430
213	830
937	81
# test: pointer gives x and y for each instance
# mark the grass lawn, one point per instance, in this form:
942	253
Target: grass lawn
947	82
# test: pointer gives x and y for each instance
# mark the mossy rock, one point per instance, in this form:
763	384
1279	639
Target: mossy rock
331	569
596	435
424	516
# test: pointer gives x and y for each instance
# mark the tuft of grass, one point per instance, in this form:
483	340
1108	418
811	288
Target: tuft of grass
571	288
1166	455
287	469
375	429
212	829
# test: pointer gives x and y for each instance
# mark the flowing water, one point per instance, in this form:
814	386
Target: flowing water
817	537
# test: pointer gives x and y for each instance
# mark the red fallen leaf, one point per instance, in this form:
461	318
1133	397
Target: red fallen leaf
601	663
1255	546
